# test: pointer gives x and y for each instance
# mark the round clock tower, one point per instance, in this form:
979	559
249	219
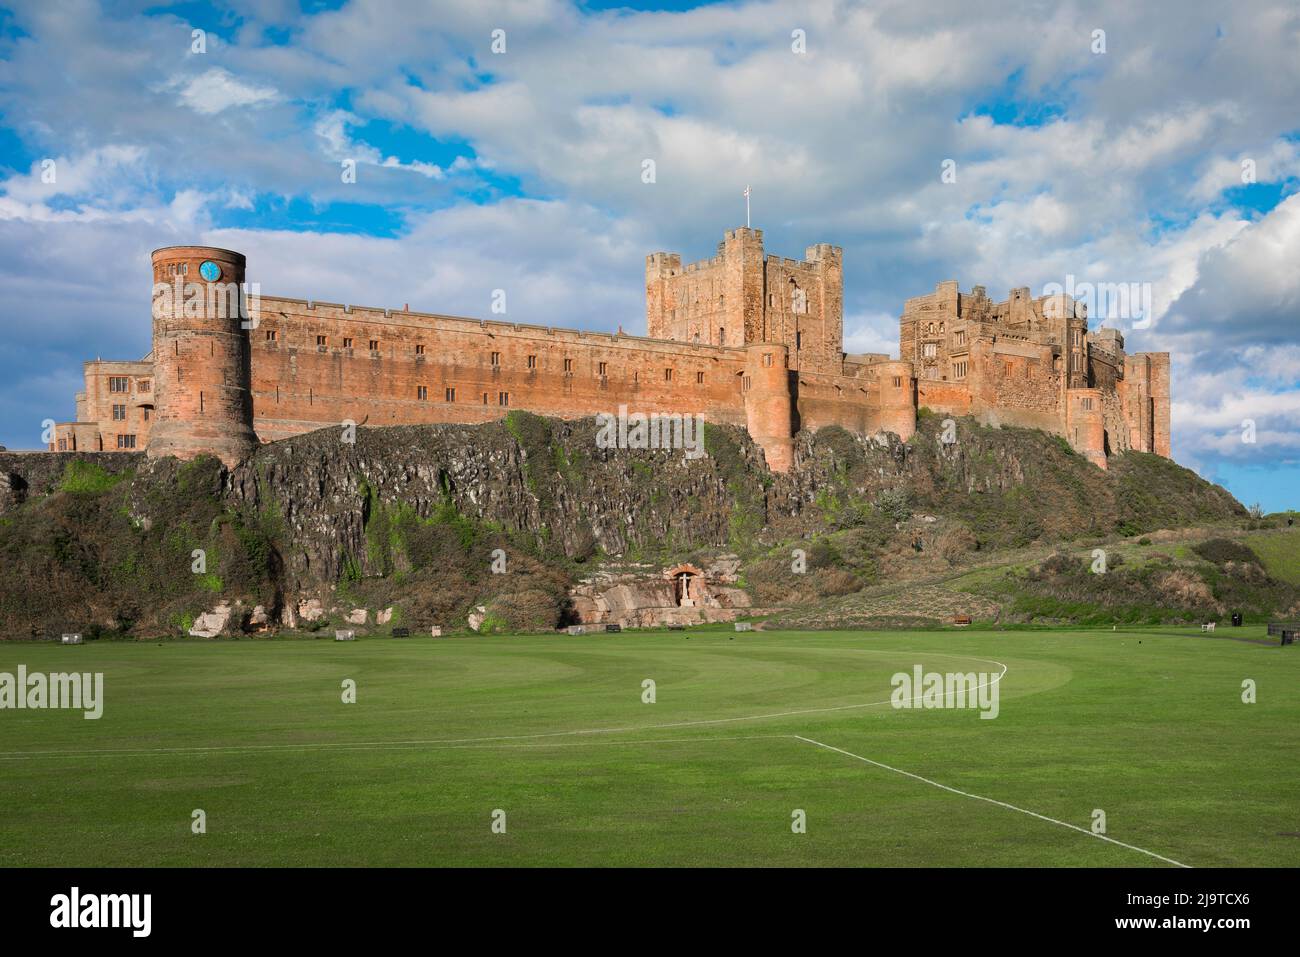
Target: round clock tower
202	362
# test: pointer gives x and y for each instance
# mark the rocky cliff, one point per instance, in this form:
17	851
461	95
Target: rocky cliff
436	522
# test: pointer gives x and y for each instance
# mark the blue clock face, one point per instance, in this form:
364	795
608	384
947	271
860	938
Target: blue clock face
210	271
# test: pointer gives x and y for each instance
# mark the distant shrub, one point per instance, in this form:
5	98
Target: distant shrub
1220	551
895	503
1059	565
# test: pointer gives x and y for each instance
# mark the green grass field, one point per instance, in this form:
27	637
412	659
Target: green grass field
1146	725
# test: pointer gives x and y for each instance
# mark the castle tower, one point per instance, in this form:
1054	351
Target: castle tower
897	398
1160	440
769	407
828	261
742	285
660	303
202	363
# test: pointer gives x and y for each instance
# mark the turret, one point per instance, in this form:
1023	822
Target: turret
769	405
897	398
202	370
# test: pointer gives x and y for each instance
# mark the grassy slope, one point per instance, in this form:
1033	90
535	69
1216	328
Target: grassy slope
1280	552
1147	725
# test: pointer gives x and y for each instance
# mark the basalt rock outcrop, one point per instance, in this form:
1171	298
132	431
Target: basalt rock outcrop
418	518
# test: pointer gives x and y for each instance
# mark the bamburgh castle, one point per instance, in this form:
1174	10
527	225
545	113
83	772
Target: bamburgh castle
743	339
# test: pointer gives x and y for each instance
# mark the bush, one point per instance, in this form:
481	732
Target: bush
1060	565
1220	551
895	503
528	610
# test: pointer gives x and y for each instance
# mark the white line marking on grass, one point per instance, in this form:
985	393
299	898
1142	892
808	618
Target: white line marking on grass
358	745
979	797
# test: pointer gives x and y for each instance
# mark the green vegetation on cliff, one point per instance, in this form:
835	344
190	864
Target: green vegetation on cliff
410	518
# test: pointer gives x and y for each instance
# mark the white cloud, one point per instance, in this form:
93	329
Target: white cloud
216	90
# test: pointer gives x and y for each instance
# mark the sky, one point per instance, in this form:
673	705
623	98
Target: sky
504	145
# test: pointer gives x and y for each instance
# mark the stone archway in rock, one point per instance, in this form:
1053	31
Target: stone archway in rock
686	579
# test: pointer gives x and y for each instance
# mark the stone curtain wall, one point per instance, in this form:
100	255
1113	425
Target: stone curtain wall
299	386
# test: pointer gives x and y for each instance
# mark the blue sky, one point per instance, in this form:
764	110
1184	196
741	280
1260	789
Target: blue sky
1108	144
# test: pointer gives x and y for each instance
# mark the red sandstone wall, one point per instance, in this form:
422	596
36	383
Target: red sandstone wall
1085	424
950	398
299	386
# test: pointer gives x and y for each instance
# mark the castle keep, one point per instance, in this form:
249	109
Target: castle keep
743	339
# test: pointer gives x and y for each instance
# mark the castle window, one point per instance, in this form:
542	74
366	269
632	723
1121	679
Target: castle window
322	341
119	413
930	350
419	350
745	383
270	335
347	342
374	345
603	369
422	392
722	336
503	398
119	383
496	359
959	369
485	398
767	358
699	378
798	341
636	376
63	445
568	365
1087	405
144	385
898	382
126	441
449	394
146	413
961	337
668	375
532	362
